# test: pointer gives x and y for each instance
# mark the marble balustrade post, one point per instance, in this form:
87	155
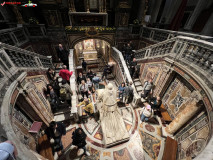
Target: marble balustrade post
198	9
185	115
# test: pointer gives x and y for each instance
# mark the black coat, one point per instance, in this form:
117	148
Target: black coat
79	140
60	128
62	54
79	79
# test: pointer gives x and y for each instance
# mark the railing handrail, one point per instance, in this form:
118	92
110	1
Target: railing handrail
127	73
10	47
175	39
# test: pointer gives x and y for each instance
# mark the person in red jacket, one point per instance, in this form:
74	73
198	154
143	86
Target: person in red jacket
65	73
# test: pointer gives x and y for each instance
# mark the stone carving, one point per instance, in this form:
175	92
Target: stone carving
112	124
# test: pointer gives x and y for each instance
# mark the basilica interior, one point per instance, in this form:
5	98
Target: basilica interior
170	41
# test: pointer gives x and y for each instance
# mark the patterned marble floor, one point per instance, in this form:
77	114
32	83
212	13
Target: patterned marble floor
145	141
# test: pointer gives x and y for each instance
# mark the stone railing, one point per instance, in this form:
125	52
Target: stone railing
124	71
158	35
197	55
14	59
73	78
13	36
14	65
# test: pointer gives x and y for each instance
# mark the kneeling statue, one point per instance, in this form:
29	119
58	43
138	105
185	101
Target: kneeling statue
112	124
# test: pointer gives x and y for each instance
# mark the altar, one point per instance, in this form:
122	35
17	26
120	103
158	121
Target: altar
90	54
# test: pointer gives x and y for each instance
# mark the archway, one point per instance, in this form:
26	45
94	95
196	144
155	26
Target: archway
93	51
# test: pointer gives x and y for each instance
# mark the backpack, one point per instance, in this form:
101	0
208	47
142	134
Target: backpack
63	93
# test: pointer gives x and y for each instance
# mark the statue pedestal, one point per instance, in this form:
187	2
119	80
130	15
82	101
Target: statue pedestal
110	144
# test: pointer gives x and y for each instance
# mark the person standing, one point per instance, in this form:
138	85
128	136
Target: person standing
90	74
96	81
121	89
65	92
84	65
148	86
128	52
65	73
63	55
133	65
54	133
128	93
79	141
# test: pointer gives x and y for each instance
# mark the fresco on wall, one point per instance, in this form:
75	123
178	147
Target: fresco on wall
193	138
177	96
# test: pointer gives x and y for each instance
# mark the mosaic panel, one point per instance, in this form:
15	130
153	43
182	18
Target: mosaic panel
151	145
177	96
193	138
122	154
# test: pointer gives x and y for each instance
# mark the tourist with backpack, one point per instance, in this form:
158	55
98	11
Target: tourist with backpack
65	92
128	93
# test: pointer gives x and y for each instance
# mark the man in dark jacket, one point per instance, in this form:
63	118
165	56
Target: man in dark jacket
54	133
133	65
63	55
79	140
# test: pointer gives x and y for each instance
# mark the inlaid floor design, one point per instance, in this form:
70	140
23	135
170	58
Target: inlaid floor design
145	141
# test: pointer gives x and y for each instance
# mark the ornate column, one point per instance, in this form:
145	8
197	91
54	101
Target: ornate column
141	10
155	11
104	6
100	6
87	5
198	9
185	115
207	30
18	15
71	6
170	10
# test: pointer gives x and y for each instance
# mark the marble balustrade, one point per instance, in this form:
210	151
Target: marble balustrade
158	35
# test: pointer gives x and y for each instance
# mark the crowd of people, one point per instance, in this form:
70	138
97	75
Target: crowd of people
58	90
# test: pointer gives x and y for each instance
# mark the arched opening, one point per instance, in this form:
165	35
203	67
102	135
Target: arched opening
93	51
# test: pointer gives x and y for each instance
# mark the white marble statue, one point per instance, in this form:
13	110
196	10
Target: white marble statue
112	124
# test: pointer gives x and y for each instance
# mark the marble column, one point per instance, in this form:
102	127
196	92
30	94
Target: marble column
104	6
100	6
18	15
155	11
170	10
207	30
87	5
141	10
198	9
185	115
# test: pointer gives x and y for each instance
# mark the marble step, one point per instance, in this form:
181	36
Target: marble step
137	83
139	88
136	79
